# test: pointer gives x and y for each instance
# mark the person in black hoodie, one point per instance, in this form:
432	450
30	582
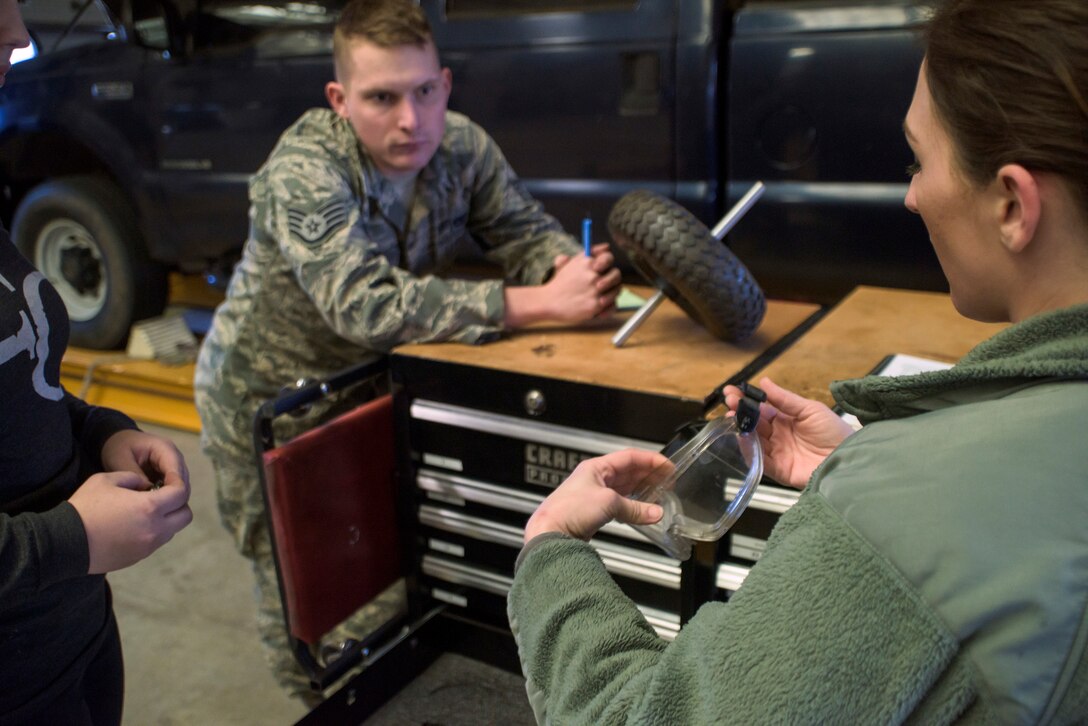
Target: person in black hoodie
83	492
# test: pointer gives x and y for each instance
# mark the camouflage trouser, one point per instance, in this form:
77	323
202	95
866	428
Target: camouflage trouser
242	512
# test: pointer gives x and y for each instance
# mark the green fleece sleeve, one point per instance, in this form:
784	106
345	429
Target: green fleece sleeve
823	631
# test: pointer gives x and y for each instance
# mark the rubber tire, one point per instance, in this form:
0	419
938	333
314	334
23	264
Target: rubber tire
135	287
679	255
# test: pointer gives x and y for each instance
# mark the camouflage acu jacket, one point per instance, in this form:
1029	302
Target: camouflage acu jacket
337	270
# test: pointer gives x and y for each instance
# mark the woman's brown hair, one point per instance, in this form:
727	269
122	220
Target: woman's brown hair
1009	79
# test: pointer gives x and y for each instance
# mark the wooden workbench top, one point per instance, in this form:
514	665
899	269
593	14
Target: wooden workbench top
867	325
669	354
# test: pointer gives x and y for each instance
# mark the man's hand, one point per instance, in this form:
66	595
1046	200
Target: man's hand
137	506
796	433
581	289
595	494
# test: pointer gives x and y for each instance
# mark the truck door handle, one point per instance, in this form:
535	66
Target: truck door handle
641	84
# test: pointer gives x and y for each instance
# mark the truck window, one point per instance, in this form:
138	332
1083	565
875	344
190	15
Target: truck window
269	15
483	8
151	25
54	25
272	30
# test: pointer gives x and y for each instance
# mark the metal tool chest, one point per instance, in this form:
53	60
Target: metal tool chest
486	432
483	434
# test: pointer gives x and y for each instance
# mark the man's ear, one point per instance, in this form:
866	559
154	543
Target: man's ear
1020	206
334	92
447	80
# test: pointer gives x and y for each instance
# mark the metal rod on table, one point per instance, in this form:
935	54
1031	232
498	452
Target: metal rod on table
739	210
720	230
636	320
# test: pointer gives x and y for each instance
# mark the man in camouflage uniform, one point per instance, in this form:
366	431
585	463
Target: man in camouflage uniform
353	217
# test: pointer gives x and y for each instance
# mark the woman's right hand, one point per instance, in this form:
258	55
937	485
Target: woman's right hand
796	433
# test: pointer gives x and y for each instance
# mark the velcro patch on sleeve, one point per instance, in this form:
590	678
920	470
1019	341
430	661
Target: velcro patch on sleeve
314	227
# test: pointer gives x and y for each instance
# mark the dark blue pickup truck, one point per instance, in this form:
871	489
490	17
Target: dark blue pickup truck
127	155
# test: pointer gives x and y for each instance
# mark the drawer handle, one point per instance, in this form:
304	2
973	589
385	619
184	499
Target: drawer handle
535	405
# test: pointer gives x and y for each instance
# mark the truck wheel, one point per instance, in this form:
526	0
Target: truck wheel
81	233
678	255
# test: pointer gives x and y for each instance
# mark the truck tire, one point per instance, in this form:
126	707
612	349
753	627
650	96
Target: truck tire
678	255
81	233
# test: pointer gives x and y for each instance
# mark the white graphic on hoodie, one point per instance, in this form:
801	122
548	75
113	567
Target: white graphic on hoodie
34	339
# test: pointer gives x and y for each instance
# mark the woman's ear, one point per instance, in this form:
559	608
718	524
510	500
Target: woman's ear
1020	206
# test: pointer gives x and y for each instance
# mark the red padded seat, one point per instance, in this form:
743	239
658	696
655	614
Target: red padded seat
332	507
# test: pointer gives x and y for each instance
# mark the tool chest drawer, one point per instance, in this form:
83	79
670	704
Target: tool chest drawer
502	448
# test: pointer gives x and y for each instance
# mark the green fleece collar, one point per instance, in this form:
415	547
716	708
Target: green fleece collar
1051	345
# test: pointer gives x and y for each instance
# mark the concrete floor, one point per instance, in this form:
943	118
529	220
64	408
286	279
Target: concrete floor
188	624
192	654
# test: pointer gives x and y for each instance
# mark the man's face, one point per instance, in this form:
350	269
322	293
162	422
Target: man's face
395	99
12	34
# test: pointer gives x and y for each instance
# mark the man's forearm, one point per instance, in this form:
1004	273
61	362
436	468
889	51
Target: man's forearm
526	305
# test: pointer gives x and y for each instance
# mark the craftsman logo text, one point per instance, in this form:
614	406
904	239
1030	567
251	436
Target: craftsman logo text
549	466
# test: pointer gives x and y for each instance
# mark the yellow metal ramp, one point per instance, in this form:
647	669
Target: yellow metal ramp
147	390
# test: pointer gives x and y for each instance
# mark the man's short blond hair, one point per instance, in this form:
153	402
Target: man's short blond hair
385	23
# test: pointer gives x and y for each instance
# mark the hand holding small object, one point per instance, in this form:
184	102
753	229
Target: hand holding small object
596	493
580	289
125	515
796	433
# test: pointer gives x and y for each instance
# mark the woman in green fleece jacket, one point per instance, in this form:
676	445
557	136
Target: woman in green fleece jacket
935	569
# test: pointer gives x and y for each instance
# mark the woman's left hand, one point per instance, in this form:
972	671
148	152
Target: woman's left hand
596	493
154	458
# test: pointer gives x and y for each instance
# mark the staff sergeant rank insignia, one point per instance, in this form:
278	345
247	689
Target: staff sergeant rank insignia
315	226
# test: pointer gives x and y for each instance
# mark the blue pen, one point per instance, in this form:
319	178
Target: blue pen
587	227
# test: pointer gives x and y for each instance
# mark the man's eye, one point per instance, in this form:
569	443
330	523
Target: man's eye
381	98
426	90
913	169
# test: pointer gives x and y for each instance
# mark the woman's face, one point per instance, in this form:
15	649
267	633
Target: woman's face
954	212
